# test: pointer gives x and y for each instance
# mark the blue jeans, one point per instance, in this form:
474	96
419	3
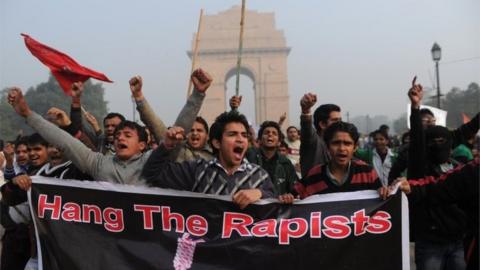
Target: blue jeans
433	256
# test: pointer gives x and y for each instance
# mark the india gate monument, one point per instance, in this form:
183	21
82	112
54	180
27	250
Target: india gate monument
264	61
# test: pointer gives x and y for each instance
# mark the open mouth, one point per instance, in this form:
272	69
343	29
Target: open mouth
122	146
238	151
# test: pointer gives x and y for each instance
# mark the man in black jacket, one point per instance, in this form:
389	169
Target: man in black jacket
228	174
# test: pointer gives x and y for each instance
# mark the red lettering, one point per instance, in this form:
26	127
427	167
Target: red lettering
167	219
147	212
265	228
113	219
359	221
97	213
236	221
379	223
54	207
315	224
71	212
197	225
336	227
286	231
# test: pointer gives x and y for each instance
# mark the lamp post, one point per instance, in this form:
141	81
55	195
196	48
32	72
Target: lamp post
437	55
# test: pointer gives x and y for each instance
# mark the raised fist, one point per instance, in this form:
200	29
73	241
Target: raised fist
415	93
174	136
201	80
307	102
16	99
58	117
235	102
136	84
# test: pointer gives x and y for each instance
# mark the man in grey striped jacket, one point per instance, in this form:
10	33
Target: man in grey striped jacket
227	174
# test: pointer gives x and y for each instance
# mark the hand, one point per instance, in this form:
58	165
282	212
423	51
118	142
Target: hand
22	181
404	185
286	198
16	99
245	197
77	89
58	117
201	80
415	94
307	102
282	119
174	136
92	121
136	84
383	192
9	152
235	102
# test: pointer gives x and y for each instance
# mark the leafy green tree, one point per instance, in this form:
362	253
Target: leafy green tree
43	97
458	101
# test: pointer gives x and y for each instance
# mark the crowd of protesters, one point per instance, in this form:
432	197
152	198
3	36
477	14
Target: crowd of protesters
437	168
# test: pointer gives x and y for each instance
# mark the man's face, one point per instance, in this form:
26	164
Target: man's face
109	125
21	154
38	154
270	138
127	143
428	120
54	155
233	145
380	142
332	118
197	138
292	134
341	148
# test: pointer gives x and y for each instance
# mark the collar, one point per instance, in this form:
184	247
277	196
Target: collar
244	166
333	179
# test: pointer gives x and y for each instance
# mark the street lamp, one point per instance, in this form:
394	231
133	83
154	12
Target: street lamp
437	55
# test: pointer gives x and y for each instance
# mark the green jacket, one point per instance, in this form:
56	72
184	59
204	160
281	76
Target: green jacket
280	169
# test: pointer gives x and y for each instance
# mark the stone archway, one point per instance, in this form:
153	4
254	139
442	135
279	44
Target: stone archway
264	60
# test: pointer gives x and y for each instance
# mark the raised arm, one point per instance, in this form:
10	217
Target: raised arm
201	82
85	159
416	150
308	140
161	171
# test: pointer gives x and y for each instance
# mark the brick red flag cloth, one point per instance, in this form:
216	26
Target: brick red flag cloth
63	67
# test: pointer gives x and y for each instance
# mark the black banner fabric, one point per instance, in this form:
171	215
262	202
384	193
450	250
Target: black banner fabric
99	225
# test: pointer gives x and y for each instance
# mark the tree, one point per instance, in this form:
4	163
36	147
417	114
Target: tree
43	97
459	101
400	124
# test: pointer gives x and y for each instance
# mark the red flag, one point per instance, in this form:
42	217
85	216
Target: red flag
465	117
63	67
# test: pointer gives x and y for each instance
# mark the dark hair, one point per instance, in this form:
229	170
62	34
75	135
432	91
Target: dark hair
290	127
217	128
21	141
404	137
384	127
273	124
383	133
284	144
113	115
340	127
35	138
142	134
426	111
202	121
1	145
322	113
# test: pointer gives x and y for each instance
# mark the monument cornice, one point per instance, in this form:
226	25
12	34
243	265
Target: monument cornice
245	51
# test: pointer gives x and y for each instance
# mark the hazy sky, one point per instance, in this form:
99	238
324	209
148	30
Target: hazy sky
358	54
